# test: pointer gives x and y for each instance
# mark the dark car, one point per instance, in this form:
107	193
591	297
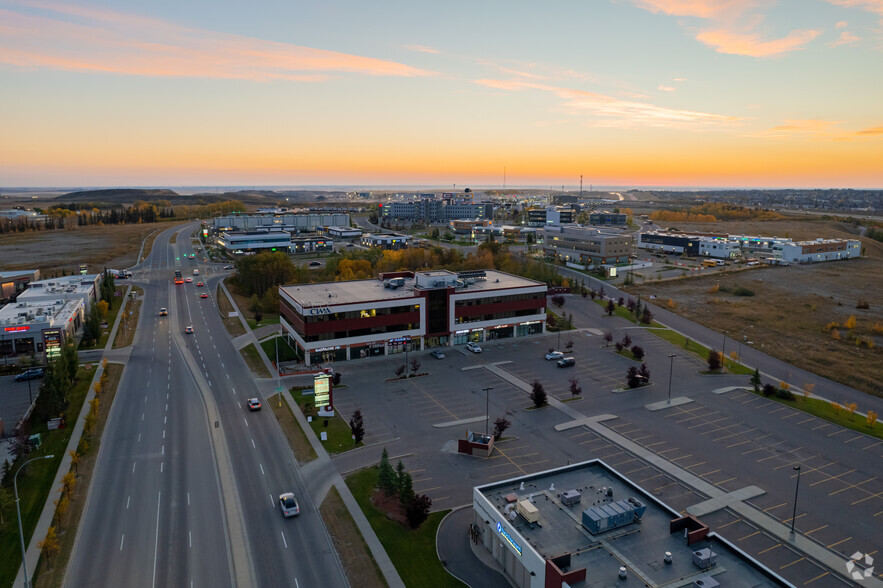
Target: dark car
567	362
30	374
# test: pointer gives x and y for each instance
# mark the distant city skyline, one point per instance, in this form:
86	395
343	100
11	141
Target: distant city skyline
673	94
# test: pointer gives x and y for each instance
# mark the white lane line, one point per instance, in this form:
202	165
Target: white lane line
164	419
134	463
188	499
163	450
272	502
167	406
190	538
139	437
127	502
283	539
161	464
253	445
167	395
142	416
245	421
239	404
228	376
145	399
163	433
122	539
262	469
156	540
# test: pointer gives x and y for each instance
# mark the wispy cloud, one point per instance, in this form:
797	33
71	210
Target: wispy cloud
731	26
613	112
845	38
818	130
421	49
869	5
65	37
871	131
667	88
536	71
841	25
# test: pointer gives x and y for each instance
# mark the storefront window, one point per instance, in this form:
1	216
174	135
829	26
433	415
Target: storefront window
500	333
461	338
329	355
534	328
370	350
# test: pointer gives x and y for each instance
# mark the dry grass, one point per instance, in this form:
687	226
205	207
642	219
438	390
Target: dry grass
234	326
129	321
791	305
50	577
360	567
55	252
254	362
297	439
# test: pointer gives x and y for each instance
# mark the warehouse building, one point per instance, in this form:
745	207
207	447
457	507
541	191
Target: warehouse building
407	311
39	327
586	246
821	250
307	222
588	525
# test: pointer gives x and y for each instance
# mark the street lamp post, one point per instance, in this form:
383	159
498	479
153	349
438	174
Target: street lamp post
724	354
24	564
487	410
796	488
671	359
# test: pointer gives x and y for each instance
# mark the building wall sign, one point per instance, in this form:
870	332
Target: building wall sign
508	537
18	329
319	311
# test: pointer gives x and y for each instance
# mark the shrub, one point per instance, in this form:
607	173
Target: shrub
784	394
769	389
611	308
538	394
715	360
621	301
619	346
646	316
575	389
740	291
638	352
558	300
418	510
500	426
627	341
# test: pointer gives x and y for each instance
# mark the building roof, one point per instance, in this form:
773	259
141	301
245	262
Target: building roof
64	286
356	291
641	544
45	311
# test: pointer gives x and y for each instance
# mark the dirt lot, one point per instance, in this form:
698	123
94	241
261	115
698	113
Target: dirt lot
54	252
791	305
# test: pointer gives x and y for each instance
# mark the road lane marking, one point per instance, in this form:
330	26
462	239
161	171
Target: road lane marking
133	466
163	433
283	539
161	464
142	416
262	468
122	539
127	502
245	421
139	437
156	539
163	450
188	499
253	445
190	538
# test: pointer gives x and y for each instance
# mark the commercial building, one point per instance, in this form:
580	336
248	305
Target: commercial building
720	248
588	525
406	311
311	245
611	219
585	245
465	227
821	250
336	232
39	327
436	210
12	283
84	288
385	241
254	241
291	222
551	215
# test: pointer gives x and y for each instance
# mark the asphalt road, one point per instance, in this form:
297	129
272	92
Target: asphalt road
157	504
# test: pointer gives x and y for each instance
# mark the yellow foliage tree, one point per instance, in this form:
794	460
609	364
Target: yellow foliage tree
850	322
850	407
61	506
784	385
103	307
671	304
877	329
871	418
835	334
808	387
835	407
75	460
714	289
68	483
49	545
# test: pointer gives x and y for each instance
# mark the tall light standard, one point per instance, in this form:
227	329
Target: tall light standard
487	407
671	359
724	353
796	488
21	534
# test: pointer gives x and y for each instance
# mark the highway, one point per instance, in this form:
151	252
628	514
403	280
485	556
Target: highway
181	498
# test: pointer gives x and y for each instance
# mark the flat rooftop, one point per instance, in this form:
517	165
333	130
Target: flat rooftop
51	311
640	545
356	291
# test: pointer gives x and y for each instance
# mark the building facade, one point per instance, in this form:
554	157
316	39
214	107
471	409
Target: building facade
436	210
611	219
405	311
40	327
385	241
585	245
284	221
83	288
254	241
821	250
12	283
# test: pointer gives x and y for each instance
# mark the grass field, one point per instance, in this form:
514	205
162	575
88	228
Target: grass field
297	439
286	351
359	565
254	361
232	323
338	429
126	332
412	551
35	481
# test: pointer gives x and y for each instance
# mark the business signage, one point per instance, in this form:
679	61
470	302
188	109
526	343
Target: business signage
508	537
321	349
322	391
318	311
17	329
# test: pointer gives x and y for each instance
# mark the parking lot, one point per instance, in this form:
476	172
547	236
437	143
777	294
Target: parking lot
15	400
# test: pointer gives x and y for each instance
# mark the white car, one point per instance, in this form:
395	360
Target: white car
473	347
288	504
554	356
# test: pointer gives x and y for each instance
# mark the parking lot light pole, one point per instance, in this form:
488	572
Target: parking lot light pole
724	354
487	405
24	564
671	359
796	488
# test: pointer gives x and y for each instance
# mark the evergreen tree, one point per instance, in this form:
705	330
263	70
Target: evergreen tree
386	476
755	381
406	490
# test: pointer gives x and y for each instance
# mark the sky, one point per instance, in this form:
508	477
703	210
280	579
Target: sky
728	93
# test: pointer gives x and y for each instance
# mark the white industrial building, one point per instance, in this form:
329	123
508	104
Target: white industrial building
720	248
292	222
254	241
821	250
78	287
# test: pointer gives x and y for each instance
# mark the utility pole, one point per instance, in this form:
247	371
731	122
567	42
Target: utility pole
796	488
487	411
580	185
671	359
24	563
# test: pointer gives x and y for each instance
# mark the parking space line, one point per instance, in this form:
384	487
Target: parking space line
730	523
709	473
837	432
733	435
822	425
872	445
636	439
788	520
777	545
725	481
425	490
680	458
809	469
644	467
772	507
867	498
667	451
805	421
792	563
832	478
853	439
664	486
816	529
751	535
739	443
789	415
852	486
838	543
652	444
761	448
690	467
507	474
778	409
822	575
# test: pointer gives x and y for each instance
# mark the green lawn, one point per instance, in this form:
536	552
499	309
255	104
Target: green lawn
112	312
268	319
254	361
35	481
412	551
339	434
825	411
286	351
697	350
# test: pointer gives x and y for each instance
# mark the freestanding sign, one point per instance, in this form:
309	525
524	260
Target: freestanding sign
322	395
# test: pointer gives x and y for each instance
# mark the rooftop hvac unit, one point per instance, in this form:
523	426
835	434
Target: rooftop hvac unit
705	582
598	519
528	511
704	558
571	497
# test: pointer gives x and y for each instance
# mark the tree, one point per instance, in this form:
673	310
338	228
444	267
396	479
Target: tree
769	389
418	510
715	360
400	370
500	426
646	316
49	545
406	489
871	418
6	502
631	377
638	309
608	337
70	361
575	389
386	476
644	372
638	352
415	365
92	326
558	300
357	427
569	345
626	341
61	506
335	379
75	460
611	307
755	381
538	394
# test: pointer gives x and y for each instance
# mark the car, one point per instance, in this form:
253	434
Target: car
254	404
189	280
567	362
163	311
200	284
203	295
554	356
30	374
228	267
196	272
288	504
315	264
349	244
188	329
192	256
473	347
438	354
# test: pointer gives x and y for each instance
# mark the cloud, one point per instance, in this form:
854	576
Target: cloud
613	112
752	45
841	25
666	88
76	38
421	49
869	5
871	131
819	130
680	79
846	38
730	26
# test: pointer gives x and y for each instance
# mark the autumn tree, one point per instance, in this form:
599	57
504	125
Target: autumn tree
608	337
871	418
850	408
715	360
49	545
611	307
103	308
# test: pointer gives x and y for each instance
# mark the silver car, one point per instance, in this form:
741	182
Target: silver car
288	504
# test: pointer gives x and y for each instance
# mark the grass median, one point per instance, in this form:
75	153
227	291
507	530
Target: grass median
112	311
412	551
232	323
126	332
253	360
338	430
50	573
297	439
35	481
358	563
